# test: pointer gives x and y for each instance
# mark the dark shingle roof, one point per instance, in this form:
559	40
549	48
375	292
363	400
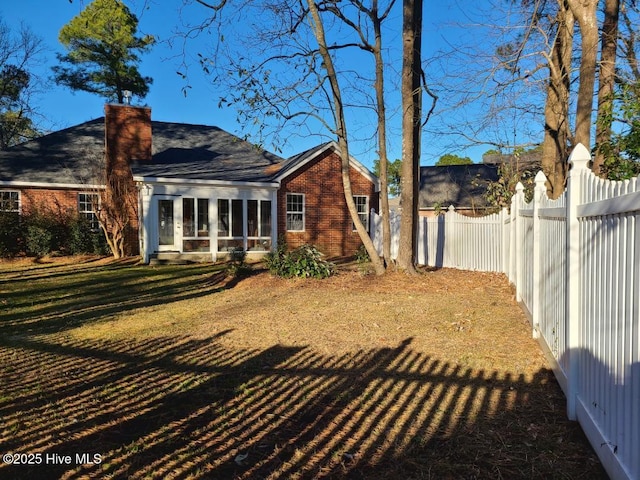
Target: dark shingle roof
61	157
205	153
179	151
462	186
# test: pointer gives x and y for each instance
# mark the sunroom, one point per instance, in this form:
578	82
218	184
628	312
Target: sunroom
209	219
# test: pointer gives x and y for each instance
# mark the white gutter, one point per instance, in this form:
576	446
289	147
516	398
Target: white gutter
75	186
223	183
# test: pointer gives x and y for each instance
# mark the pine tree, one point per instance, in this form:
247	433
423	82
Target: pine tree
103	52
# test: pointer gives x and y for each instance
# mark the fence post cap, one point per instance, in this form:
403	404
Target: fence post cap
451	208
541	181
519	187
580	157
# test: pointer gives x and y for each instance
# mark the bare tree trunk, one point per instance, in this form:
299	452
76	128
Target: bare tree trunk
382	137
341	131
585	13
629	43
555	147
411	128
607	79
115	211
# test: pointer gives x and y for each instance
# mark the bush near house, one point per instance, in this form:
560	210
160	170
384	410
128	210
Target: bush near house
305	261
43	233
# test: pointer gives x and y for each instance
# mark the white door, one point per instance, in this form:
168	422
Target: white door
169	225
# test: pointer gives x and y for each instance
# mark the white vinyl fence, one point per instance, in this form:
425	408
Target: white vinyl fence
452	240
575	264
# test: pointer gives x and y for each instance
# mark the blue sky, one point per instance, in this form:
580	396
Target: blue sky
61	107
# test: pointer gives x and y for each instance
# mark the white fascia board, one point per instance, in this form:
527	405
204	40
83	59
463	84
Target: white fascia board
52	186
211	183
352	162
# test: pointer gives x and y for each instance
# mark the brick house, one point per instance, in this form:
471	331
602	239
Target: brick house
195	190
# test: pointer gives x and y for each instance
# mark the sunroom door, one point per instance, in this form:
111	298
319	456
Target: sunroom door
168	226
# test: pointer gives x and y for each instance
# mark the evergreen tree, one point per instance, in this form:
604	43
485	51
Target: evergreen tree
452	159
18	51
103	52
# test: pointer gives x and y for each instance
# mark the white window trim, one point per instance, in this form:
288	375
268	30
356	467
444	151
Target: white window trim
196	211
19	200
92	210
261	235
366	212
303	212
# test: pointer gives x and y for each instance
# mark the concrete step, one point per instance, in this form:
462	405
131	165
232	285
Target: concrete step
178	258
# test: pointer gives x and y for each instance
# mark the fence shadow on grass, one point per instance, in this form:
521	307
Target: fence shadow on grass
193	408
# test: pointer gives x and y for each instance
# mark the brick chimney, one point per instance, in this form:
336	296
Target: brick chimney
127	140
127	134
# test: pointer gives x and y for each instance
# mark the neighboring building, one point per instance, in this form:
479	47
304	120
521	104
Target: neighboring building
198	189
463	186
525	160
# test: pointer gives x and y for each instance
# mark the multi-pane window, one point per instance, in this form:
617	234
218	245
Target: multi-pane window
362	204
195	225
230	220
295	212
87	204
9	201
244	224
258	224
195	217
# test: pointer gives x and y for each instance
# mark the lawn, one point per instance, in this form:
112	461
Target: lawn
117	370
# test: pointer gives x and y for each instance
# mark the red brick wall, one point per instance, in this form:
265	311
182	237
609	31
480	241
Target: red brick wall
50	201
328	224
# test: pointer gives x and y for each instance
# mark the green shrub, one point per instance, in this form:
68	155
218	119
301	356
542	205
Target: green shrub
99	243
84	240
80	236
238	267
362	256
46	231
363	261
275	258
39	240
304	262
11	238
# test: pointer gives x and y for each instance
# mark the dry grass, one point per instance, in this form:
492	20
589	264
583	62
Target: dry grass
182	372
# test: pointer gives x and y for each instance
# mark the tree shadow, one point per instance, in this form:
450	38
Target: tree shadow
39	302
178	407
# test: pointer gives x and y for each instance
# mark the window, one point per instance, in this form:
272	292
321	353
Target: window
203	217
362	204
295	212
9	201
258	224
236	218
244	224
195	217
87	203
230	228
223	218
195	225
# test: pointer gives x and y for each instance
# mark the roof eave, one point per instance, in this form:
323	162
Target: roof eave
210	183
315	154
74	186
